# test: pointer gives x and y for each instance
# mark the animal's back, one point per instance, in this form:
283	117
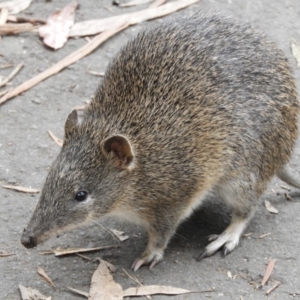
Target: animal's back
206	82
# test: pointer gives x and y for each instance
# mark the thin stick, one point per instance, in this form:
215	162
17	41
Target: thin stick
135	280
12	75
275	286
70	59
83	256
33	21
17	28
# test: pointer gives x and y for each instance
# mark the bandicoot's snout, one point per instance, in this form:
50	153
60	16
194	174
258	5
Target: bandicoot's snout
28	239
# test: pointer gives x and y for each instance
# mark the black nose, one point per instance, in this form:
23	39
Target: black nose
28	240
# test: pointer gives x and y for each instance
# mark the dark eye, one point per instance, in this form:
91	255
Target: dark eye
81	196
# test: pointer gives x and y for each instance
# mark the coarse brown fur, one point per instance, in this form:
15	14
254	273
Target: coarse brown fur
200	103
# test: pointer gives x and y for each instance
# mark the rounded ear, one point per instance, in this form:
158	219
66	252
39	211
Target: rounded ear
121	150
71	123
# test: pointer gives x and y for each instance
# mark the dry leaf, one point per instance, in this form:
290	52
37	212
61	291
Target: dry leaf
92	27
61	252
229	274
12	75
45	276
70	59
15	6
120	235
270	207
55	33
268	272
58	141
132	3
21	189
110	266
103	286
296	52
85	294
28	293
153	290
3	15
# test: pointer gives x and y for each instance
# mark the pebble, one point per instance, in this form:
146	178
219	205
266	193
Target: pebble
36	101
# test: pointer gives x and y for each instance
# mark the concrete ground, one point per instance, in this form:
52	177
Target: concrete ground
26	152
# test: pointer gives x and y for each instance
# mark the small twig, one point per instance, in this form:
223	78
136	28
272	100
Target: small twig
135	280
6	254
33	21
275	286
105	229
288	197
264	235
58	141
6	66
70	59
12	75
285	188
83	256
100	74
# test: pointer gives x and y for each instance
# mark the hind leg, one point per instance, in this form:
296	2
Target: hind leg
239	194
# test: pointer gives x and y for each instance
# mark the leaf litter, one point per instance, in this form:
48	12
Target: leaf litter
28	293
15	6
55	33
44	275
103	286
296	52
61	252
92	27
270	207
268	271
21	189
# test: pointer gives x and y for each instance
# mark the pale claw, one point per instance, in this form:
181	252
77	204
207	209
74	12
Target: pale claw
151	259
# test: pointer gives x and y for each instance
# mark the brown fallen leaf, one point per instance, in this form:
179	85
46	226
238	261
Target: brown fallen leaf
131	3
58	141
21	189
61	252
45	276
12	74
296	52
92	27
270	207
120	235
85	294
268	272
135	280
55	33
112	268
28	293
15	6
70	59
153	290
275	286
103	286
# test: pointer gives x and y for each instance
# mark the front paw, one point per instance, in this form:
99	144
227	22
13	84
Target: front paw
147	258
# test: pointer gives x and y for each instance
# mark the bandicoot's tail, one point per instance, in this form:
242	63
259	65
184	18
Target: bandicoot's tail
286	175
